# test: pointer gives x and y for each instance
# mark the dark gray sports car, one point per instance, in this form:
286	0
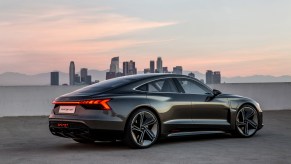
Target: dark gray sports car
140	109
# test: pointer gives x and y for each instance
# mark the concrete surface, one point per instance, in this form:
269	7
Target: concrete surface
36	100
27	140
271	96
30	100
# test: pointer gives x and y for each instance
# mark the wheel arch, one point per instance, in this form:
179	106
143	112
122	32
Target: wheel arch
237	104
248	103
145	107
238	131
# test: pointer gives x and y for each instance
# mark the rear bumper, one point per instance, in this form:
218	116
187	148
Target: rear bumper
87	124
93	119
80	130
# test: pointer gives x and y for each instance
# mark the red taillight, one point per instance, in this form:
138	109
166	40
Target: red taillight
103	103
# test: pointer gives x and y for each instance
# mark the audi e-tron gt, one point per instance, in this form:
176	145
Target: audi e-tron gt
140	109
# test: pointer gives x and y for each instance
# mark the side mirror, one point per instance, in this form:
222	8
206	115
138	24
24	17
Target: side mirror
216	92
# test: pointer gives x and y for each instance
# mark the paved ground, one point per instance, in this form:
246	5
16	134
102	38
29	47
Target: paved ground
27	140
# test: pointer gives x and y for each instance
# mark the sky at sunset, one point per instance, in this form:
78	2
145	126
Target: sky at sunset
241	37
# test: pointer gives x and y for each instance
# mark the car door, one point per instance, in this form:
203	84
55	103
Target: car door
205	109
173	108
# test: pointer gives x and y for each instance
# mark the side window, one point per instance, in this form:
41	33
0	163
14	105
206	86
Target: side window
165	85
143	88
191	87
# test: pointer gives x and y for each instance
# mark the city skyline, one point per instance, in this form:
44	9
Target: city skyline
238	38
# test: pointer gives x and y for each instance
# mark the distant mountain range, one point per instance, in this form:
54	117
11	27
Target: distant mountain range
17	79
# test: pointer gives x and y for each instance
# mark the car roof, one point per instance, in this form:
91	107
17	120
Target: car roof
149	75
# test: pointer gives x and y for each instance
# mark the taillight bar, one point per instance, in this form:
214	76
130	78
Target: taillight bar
102	102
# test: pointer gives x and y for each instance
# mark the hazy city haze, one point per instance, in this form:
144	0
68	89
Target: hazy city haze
236	37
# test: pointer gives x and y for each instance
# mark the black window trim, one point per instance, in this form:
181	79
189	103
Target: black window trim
146	83
206	89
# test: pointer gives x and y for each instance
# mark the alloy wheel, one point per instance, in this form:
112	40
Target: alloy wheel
144	128
247	121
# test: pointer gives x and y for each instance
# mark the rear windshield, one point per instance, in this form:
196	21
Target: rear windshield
106	85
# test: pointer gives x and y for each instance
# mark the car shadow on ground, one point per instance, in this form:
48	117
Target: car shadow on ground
195	138
119	145
99	145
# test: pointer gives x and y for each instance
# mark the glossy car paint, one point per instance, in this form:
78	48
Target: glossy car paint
178	113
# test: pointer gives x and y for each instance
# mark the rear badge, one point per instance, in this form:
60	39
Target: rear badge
67	109
62	125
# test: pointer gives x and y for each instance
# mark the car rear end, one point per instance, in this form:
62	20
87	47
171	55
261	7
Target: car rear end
86	119
86	114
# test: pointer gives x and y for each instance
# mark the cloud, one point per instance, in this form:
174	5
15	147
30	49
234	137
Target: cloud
57	30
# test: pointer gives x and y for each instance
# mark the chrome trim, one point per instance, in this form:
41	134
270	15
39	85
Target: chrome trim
198	121
161	78
194	133
179	121
210	122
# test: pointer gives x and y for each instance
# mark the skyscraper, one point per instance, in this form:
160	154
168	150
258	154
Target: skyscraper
152	66
54	78
72	73
129	68
216	77
110	75
125	68
209	77
178	70
84	74
88	80
160	65
77	79
114	66
165	70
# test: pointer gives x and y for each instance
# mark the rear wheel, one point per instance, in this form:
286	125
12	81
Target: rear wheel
142	129
246	121
83	141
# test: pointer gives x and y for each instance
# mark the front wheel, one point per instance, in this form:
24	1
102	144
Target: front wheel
142	129
246	121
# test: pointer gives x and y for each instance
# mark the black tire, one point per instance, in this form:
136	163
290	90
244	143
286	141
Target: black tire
246	122
83	141
141	134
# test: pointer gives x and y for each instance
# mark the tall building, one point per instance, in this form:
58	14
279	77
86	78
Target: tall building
88	80
191	74
77	79
125	68
119	74
165	70
114	65
160	65
216	77
83	74
110	75
152	66
54	78
178	70
209	77
129	68
72	73
114	69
